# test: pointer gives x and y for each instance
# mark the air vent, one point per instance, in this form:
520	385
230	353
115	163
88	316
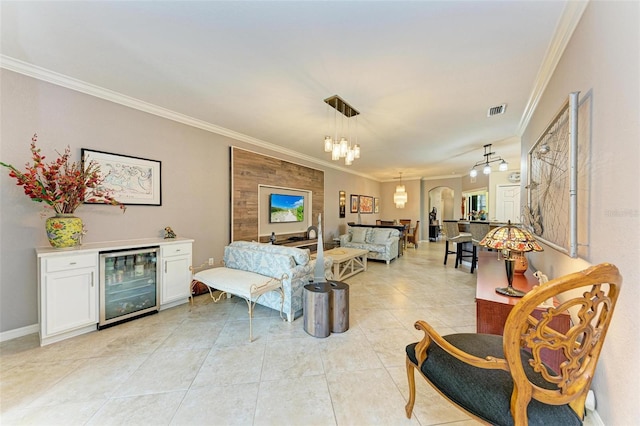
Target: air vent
497	110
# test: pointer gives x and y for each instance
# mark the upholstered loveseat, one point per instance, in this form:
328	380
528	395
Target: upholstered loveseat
266	261
382	243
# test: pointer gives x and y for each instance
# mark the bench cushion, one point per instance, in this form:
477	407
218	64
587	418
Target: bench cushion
236	282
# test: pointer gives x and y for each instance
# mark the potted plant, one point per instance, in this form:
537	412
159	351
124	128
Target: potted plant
63	185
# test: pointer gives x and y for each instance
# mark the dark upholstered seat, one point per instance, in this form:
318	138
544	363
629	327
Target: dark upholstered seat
486	393
502	380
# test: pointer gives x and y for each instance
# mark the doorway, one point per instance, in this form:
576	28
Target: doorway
508	203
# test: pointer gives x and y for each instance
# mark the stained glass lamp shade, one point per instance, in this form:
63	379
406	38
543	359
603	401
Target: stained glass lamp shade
507	239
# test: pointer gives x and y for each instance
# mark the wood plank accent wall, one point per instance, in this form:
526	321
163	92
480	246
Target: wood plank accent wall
249	169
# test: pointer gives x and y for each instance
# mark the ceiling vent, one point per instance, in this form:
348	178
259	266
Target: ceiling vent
496	110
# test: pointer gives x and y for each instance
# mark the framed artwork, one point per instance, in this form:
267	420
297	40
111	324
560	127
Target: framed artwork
342	204
552	179
376	205
354	203
132	180
366	204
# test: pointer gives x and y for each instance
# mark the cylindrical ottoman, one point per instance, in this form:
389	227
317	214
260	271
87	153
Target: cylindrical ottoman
316	305
340	307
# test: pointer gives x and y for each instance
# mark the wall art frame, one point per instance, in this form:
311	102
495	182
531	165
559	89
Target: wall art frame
376	205
354	203
366	204
131	180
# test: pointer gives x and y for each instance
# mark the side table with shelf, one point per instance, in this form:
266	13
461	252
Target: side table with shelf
492	309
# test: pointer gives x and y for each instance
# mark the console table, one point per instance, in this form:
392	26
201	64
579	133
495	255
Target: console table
492	308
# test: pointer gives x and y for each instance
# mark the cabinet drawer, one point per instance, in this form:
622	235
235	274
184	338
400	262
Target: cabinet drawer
176	249
64	263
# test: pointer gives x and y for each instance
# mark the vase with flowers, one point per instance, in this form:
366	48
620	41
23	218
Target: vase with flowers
63	185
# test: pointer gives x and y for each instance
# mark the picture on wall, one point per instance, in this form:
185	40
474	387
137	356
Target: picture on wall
131	180
376	205
354	203
366	204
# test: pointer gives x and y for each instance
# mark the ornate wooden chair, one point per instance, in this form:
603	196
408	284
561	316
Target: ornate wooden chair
502	380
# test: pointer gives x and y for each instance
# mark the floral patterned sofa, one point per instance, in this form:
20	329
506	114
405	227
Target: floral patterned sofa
273	261
382	243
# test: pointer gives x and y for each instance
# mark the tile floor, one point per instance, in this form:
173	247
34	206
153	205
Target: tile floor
193	364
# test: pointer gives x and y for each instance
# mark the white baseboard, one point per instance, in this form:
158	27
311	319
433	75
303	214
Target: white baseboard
594	418
18	332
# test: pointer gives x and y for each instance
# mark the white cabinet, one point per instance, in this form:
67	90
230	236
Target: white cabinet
69	283
68	296
176	275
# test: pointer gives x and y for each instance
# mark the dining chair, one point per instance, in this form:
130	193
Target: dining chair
478	231
412	238
503	380
453	235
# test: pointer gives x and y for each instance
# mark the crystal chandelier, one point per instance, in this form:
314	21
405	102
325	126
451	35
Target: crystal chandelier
488	158
346	147
400	196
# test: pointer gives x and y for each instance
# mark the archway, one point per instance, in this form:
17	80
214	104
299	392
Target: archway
441	198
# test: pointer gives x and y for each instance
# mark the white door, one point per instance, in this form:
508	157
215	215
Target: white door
508	203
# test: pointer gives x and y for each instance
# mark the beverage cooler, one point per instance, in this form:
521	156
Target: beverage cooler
128	285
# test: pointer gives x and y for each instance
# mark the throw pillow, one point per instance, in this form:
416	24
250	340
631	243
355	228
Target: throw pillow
380	236
358	235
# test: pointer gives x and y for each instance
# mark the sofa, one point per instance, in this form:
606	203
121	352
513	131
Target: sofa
382	243
293	266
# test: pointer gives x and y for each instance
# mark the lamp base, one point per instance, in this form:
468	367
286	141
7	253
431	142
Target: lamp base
510	291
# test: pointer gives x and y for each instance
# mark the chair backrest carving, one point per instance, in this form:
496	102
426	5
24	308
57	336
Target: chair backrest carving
592	295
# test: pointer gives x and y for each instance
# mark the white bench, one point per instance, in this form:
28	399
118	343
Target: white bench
248	285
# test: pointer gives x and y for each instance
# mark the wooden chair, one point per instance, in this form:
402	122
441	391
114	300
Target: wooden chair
407	227
387	222
502	380
412	238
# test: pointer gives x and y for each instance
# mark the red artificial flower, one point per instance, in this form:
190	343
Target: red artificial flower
61	184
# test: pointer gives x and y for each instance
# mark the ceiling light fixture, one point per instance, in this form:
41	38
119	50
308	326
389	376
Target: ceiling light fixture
342	147
488	158
400	196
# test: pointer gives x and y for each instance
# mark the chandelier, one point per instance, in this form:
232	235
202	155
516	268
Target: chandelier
488	158
346	145
400	196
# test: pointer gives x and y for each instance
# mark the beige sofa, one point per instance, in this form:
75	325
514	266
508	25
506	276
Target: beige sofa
382	243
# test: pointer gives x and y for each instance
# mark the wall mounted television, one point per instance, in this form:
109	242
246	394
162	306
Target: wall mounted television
286	208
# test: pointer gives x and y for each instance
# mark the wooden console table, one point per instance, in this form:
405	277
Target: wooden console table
492	308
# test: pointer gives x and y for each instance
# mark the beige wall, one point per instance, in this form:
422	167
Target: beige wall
602	56
195	181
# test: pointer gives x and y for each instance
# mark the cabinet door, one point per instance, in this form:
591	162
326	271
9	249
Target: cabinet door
69	300
176	278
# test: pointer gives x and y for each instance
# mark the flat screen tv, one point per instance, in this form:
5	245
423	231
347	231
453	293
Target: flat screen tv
286	208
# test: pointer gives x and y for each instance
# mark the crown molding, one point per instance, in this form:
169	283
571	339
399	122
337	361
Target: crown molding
62	80
567	24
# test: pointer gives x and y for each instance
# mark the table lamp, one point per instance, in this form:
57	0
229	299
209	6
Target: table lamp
507	239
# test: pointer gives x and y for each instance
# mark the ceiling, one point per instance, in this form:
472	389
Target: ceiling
423	74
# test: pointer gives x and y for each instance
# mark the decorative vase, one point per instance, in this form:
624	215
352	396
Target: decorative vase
521	264
64	230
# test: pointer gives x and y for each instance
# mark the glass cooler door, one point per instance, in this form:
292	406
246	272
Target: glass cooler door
128	284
